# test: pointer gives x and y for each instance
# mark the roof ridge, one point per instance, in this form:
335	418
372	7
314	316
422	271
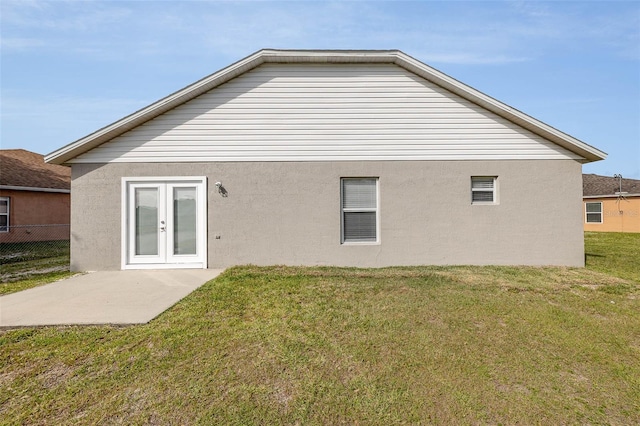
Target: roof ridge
594	185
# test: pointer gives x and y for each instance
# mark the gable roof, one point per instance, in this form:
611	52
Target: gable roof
22	169
606	186
396	57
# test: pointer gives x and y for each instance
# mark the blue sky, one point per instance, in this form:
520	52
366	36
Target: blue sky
69	67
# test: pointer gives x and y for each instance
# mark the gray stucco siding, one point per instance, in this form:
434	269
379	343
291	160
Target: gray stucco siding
289	213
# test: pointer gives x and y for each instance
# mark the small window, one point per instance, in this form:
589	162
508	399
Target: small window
483	190
593	212
359	207
4	214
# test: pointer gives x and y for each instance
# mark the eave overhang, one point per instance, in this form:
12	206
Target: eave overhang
610	196
396	57
34	189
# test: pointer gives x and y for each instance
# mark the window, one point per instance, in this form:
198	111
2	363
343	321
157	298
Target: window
4	214
593	212
483	190
359	210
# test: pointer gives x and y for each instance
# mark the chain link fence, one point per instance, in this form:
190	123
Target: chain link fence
29	250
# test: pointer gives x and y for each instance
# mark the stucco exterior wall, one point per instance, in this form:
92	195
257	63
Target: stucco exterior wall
289	213
617	215
35	208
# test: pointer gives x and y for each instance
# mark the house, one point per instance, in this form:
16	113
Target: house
611	204
348	158
34	198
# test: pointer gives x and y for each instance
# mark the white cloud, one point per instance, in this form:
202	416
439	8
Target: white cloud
60	120
460	33
56	109
64	16
469	58
591	26
20	43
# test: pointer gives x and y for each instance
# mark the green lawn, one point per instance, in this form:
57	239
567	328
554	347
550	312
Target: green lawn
280	345
613	253
26	265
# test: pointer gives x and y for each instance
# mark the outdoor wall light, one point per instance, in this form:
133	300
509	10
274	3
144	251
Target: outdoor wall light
221	189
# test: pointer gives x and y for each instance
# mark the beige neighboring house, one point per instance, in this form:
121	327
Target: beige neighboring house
349	158
611	204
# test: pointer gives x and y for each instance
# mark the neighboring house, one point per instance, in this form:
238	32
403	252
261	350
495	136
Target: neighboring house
350	158
611	204
33	194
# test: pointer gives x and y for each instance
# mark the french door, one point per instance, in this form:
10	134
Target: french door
165	223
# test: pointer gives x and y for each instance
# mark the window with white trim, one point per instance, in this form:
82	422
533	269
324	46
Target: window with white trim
593	212
4	214
359	210
483	190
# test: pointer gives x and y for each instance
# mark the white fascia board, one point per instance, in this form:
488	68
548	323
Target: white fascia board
203	85
329	56
610	196
34	189
588	152
143	115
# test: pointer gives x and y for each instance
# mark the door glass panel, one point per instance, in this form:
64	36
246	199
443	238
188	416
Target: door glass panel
146	205
184	220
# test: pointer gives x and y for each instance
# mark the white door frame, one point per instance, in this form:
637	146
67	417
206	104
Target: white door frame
170	261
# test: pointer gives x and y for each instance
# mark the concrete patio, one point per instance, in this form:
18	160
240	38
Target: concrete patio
106	297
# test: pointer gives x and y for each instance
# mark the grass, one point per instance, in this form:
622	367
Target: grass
26	265
614	253
281	345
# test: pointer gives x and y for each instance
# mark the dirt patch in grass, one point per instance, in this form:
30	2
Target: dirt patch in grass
55	375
